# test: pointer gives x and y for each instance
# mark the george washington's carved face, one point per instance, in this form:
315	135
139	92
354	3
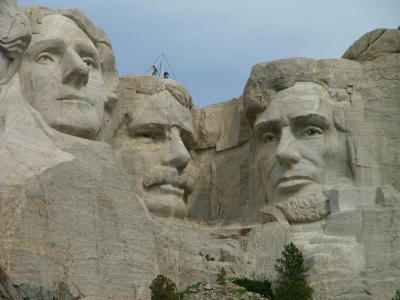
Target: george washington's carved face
62	78
296	142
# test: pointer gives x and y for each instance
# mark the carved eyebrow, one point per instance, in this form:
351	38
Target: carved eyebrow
270	125
186	135
88	50
46	44
311	119
138	128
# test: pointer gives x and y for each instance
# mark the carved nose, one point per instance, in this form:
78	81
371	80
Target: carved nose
75	70
176	154
287	152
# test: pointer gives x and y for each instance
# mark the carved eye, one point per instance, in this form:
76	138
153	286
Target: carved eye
149	136
44	58
90	62
146	135
312	131
269	137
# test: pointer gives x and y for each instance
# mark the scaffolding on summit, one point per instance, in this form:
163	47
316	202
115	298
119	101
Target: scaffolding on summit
161	68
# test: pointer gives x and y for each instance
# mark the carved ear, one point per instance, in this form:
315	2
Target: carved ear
339	115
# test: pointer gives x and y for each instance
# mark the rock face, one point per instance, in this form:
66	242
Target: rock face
106	182
154	141
378	52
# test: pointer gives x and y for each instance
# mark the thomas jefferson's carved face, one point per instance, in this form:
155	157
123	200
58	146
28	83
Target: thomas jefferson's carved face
156	152
297	142
62	78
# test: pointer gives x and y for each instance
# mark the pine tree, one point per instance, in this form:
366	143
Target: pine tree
292	275
262	287
397	295
221	278
163	288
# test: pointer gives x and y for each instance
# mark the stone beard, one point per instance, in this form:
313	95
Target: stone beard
296	145
61	77
154	149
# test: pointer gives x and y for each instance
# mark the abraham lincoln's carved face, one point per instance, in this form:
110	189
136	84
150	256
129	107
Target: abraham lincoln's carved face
295	140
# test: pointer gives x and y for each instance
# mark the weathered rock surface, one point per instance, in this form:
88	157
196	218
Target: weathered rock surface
378	51
228	190
309	154
11	291
227	291
87	228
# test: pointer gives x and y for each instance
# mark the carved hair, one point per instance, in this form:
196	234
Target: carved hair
98	37
268	78
15	35
149	85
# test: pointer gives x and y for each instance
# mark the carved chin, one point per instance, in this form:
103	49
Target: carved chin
87	130
305	208
167	206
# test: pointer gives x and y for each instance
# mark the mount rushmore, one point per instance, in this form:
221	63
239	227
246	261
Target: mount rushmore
108	181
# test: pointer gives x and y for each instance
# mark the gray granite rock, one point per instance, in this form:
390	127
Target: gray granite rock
103	188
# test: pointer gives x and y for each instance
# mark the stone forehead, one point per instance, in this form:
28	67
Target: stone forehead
299	99
303	90
60	27
160	103
36	15
160	99
149	85
161	108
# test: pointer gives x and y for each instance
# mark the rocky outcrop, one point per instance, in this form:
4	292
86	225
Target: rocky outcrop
100	194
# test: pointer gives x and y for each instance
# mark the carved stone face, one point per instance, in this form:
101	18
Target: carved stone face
62	78
156	152
297	142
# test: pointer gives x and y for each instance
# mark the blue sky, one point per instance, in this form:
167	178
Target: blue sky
212	44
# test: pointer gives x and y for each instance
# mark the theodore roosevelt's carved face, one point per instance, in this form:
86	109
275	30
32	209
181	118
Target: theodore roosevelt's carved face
62	78
156	152
295	139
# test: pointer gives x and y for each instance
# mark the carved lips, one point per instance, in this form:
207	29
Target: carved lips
291	183
169	188
168	180
74	98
